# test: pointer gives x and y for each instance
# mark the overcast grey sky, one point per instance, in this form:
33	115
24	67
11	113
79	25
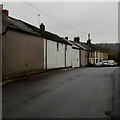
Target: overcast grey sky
71	19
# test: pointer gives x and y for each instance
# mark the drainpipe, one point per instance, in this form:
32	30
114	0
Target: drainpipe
88	43
46	55
88	54
65	55
80	57
65	52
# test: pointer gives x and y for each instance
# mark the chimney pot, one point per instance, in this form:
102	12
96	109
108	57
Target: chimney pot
88	36
42	26
77	39
5	12
74	38
66	38
89	41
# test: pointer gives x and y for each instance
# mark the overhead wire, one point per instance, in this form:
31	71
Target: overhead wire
55	18
49	17
11	10
18	11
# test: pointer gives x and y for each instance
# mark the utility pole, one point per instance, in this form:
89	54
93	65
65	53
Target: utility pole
88	43
88	36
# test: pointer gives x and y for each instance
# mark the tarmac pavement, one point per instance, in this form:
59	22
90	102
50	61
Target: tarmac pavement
77	93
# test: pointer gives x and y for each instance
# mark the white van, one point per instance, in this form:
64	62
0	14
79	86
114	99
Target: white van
112	63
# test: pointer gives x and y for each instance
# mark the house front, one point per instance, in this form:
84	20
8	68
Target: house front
22	48
98	54
27	51
83	55
68	54
75	54
93	53
57	50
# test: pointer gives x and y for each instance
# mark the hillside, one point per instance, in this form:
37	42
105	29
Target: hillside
115	47
113	50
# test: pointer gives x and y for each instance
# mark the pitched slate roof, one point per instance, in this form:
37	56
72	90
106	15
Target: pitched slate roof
12	23
92	47
85	46
97	48
48	35
75	45
9	22
80	46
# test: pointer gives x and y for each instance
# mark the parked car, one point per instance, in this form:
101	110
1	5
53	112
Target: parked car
103	63
106	63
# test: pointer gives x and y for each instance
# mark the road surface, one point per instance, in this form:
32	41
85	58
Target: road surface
77	93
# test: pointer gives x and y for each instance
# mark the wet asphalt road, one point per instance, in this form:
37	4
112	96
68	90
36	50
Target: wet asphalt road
77	93
116	95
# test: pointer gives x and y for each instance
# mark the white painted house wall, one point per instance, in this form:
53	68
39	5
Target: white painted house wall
55	57
75	58
69	56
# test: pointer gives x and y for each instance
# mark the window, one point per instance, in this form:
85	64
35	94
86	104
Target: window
90	61
96	60
96	54
90	54
57	46
93	54
93	61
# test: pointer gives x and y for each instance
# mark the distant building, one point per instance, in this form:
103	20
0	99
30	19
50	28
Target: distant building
75	55
95	53
27	49
81	53
90	53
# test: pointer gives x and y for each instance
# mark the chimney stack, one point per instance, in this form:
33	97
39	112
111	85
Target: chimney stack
5	12
77	39
66	38
89	40
42	26
88	36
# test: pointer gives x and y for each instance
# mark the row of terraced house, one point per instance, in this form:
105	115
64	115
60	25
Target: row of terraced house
27	49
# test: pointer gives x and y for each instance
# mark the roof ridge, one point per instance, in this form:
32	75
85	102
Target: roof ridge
27	27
